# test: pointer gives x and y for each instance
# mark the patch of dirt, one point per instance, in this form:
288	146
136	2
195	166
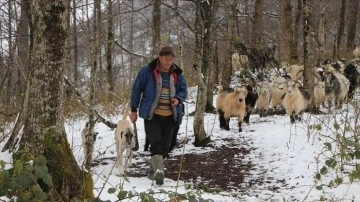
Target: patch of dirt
224	168
227	168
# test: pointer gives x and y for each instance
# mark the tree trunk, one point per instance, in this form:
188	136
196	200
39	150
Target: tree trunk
44	131
209	52
256	37
351	26
287	52
23	48
156	26
109	50
297	30
340	33
94	53
321	33
75	35
199	131
227	68
309	62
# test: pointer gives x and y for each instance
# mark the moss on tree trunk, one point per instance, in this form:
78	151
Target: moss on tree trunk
68	179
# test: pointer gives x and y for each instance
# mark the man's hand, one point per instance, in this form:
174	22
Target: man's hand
133	117
174	102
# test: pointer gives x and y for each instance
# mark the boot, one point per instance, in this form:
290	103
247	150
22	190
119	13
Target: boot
151	172
157	162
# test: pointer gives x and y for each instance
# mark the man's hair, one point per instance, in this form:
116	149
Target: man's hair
166	51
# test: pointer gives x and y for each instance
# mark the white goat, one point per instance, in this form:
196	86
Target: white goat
239	61
319	93
277	92
296	100
231	103
263	101
356	52
296	72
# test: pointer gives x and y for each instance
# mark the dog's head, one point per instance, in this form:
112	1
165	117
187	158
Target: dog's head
129	137
125	134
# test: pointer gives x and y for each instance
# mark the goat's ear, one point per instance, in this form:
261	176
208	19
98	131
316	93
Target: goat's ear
121	134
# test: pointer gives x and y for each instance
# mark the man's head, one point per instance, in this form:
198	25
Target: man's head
166	58
167	51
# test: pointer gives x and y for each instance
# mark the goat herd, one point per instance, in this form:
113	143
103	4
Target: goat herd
334	83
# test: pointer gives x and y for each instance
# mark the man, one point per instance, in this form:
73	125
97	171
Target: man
158	92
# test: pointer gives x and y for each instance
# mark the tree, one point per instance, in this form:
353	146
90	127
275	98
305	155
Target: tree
199	131
109	47
351	25
257	30
209	16
287	50
340	32
227	70
309	58
156	26
44	132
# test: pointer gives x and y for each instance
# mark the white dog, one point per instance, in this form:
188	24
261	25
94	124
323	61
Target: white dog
125	140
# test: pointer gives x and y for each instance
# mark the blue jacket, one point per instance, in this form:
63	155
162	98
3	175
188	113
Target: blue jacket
145	91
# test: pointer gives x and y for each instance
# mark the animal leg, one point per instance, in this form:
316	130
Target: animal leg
222	120
239	124
247	118
227	121
129	156
120	160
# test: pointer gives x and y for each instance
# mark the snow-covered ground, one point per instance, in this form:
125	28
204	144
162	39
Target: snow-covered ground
291	153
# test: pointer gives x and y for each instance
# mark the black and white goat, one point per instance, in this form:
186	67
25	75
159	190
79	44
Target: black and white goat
336	88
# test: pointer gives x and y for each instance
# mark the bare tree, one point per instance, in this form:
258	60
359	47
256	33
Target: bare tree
75	42
352	20
44	131
340	32
94	53
297	26
287	51
309	57
109	47
156	25
227	69
257	30
209	51
200	134
321	32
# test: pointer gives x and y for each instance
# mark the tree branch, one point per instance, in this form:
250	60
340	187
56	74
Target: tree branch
98	116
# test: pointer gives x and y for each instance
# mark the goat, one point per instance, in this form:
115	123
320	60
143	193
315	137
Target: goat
352	74
295	100
257	57
319	93
239	61
336	87
295	72
263	101
356	52
250	102
231	103
277	91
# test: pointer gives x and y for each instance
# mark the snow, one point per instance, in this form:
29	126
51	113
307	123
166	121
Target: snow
287	152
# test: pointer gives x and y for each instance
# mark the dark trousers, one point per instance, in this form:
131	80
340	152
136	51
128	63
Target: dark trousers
159	131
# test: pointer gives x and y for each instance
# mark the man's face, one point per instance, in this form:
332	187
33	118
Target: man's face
166	61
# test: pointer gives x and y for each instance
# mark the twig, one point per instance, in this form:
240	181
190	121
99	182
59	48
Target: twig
98	116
